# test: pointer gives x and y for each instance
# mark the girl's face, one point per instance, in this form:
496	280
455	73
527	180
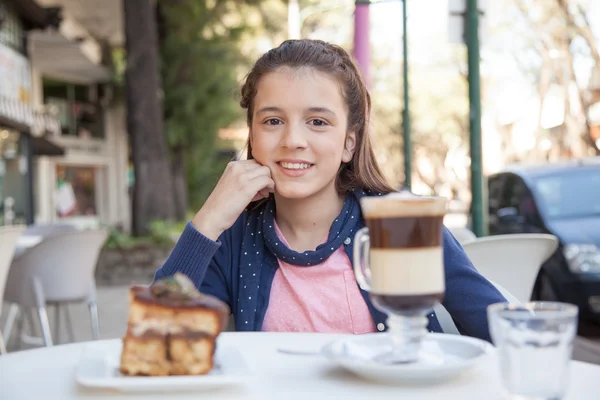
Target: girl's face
299	131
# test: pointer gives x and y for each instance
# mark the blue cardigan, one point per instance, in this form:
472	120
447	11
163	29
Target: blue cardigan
215	269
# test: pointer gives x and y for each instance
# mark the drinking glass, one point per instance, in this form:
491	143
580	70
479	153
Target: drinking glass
398	259
535	343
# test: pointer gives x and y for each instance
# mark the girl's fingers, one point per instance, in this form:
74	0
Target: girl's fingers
262	186
256	172
263	194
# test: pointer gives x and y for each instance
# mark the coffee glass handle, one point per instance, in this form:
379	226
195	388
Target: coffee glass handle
362	269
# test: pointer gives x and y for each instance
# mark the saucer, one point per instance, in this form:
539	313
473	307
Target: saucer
443	356
99	368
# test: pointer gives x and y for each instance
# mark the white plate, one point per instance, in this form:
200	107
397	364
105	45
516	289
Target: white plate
99	368
448	356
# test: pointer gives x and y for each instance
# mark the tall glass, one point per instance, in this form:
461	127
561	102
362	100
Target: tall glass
535	343
398	259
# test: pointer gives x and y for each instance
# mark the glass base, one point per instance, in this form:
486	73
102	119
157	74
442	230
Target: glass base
407	334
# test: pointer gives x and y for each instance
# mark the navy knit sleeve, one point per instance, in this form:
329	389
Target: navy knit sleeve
468	293
203	260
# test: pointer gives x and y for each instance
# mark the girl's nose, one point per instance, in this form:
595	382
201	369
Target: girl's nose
294	136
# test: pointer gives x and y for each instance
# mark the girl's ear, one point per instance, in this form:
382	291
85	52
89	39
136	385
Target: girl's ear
349	147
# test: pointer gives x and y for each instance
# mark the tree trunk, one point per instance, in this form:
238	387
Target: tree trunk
178	163
179	183
153	193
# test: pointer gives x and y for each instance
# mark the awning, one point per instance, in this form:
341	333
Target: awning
60	58
38	17
41	146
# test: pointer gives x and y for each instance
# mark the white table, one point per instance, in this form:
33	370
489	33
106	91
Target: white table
49	373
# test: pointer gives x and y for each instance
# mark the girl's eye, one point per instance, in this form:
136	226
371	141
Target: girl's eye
273	121
318	122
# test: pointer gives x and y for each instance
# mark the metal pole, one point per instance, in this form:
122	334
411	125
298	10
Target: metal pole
406	110
472	36
361	39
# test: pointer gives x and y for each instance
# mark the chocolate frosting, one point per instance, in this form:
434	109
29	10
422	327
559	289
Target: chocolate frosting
179	291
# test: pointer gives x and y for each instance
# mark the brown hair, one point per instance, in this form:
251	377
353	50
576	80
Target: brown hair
362	171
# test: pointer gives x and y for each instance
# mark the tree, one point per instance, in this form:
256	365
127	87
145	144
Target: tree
152	197
199	75
206	49
562	34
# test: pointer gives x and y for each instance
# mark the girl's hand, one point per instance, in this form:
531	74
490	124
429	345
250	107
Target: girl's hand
242	183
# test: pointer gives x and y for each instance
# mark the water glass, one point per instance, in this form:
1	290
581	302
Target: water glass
535	343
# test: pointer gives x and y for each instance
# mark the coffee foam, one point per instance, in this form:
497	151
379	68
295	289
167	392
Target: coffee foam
403	204
407	272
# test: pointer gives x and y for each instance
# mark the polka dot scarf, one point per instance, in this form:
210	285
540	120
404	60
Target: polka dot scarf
342	230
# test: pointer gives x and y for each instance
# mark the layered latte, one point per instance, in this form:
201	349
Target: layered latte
406	250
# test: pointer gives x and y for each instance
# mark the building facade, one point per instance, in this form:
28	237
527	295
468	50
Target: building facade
27	129
85	182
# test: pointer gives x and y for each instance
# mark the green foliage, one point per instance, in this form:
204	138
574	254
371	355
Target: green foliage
119	64
200	61
162	233
117	239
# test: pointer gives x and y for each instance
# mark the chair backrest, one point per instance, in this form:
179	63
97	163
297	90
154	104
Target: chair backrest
8	241
64	265
512	261
446	321
50	229
463	234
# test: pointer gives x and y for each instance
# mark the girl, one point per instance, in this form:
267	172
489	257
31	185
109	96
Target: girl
285	263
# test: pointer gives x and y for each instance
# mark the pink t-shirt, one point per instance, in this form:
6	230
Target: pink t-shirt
319	298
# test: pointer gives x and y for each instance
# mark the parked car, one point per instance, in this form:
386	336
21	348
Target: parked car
563	200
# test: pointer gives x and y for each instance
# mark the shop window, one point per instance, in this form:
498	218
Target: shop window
75	191
79	114
13	178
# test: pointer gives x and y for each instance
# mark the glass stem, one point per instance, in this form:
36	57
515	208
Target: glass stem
407	333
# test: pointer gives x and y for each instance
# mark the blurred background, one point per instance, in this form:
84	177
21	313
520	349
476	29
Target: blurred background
123	113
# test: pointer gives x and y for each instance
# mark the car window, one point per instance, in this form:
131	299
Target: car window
512	192
507	190
518	191
495	193
570	194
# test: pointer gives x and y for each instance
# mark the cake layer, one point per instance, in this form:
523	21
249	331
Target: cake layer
161	319
191	356
145	356
168	355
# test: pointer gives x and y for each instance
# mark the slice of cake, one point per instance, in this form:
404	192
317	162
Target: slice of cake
172	329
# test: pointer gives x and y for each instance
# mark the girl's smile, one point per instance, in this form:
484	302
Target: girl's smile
294	168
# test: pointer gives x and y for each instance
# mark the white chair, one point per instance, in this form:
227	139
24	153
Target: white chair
37	232
59	270
512	261
446	321
8	241
49	229
463	234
